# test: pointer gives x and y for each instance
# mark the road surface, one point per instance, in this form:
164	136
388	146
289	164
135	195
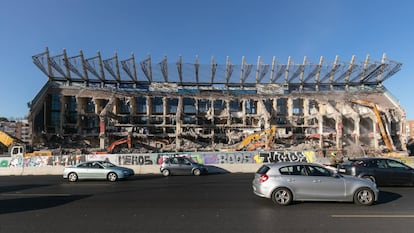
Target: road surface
211	203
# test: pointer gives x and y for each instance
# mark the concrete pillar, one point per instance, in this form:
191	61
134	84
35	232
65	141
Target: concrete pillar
82	109
63	108
320	124
164	111
357	131
339	132
306	111
149	107
243	103
133	106
179	130
375	132
289	106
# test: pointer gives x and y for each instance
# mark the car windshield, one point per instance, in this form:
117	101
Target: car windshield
108	164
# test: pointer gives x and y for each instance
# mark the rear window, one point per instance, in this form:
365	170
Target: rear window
348	163
263	169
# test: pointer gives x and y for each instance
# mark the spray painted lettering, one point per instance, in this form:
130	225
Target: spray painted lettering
283	156
234	158
135	160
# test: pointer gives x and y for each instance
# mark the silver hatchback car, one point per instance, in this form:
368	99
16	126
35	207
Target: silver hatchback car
285	182
182	166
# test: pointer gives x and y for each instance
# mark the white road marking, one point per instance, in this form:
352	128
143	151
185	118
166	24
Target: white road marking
34	195
372	216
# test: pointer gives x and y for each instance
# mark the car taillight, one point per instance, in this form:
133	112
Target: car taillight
263	178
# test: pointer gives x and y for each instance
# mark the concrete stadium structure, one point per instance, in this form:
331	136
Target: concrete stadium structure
90	103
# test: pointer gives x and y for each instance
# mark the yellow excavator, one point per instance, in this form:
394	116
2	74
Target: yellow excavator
384	134
257	140
18	148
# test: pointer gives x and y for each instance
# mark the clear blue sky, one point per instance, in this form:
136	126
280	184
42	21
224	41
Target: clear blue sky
216	28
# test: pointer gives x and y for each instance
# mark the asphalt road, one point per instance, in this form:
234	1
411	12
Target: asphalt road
211	203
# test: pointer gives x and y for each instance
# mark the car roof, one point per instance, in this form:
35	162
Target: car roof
370	158
282	164
94	161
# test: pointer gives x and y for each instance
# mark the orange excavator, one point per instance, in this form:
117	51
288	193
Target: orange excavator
116	143
126	140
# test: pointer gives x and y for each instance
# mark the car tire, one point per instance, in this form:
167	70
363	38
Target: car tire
165	172
282	196
371	178
112	176
364	196
73	177
196	172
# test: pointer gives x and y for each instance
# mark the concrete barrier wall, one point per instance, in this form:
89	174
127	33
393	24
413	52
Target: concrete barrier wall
139	169
240	161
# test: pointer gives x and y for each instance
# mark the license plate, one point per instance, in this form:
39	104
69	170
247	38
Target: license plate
342	170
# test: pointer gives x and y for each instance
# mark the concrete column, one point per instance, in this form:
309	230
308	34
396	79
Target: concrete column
290	108
212	122
228	112
357	131
306	111
178	130
339	132
320	124
63	108
149	112
82	107
133	106
98	108
243	103
164	111
375	132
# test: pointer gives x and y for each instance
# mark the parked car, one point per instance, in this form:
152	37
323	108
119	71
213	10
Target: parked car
382	171
96	170
181	166
285	182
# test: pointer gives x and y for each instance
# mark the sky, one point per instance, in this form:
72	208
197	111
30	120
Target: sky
191	28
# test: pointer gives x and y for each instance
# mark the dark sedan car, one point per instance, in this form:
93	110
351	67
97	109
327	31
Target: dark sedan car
181	166
382	171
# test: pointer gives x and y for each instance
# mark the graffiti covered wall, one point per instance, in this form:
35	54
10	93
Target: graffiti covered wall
238	157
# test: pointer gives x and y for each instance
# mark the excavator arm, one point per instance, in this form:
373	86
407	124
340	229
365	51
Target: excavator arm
383	131
252	138
119	142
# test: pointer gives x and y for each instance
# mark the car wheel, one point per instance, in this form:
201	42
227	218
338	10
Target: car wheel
282	196
73	177
112	176
371	178
165	172
364	196
196	172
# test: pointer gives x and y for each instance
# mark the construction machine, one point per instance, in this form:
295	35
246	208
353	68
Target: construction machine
18	148
384	134
110	148
257	140
126	140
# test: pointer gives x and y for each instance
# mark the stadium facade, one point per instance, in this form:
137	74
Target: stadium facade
324	106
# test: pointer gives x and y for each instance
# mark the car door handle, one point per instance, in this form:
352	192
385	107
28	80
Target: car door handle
316	181
290	180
